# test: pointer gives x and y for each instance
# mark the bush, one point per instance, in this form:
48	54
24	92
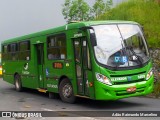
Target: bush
156	91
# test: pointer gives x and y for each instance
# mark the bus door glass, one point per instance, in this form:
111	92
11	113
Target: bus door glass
40	63
82	60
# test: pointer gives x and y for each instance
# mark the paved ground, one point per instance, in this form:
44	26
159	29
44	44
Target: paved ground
31	100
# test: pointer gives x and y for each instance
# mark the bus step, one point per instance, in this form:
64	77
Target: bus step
42	90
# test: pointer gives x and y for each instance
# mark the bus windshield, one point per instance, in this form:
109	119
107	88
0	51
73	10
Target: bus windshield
120	45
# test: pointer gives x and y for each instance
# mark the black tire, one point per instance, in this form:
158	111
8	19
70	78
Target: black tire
66	91
18	84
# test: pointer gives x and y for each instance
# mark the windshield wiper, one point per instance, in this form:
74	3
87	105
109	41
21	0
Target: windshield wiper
135	57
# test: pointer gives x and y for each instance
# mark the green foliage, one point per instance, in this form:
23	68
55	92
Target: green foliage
76	10
66	9
100	7
145	12
79	10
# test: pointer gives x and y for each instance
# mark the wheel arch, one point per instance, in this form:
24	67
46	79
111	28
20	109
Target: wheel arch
61	78
16	73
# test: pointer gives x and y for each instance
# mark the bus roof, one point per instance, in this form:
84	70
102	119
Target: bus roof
72	25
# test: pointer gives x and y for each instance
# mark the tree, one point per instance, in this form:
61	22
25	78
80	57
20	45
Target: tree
101	7
77	10
66	9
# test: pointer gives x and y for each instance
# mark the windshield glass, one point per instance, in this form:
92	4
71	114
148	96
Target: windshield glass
121	45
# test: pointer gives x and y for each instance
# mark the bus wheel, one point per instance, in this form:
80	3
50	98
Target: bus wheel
18	84
66	91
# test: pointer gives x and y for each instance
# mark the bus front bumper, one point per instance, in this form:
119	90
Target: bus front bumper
114	92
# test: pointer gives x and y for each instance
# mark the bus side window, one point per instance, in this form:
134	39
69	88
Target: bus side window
88	58
5	52
56	47
24	50
13	51
86	55
77	48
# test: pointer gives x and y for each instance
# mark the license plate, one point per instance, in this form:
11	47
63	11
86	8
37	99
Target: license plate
131	89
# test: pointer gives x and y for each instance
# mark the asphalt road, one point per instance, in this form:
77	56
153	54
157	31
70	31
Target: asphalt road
31	100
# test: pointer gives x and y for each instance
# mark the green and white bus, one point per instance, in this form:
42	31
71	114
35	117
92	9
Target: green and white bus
100	60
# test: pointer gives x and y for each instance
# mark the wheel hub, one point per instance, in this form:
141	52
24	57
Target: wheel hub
67	91
17	84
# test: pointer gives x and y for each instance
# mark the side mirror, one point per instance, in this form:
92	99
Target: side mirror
93	39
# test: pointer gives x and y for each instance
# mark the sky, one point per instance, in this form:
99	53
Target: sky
21	17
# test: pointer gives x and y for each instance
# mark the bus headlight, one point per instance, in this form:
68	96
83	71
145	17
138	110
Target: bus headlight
149	74
103	79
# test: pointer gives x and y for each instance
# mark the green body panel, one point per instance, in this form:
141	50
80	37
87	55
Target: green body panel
115	92
45	76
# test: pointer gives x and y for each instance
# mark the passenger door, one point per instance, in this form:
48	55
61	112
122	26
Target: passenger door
40	63
83	65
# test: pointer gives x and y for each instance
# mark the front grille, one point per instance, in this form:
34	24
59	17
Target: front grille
124	92
128	82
